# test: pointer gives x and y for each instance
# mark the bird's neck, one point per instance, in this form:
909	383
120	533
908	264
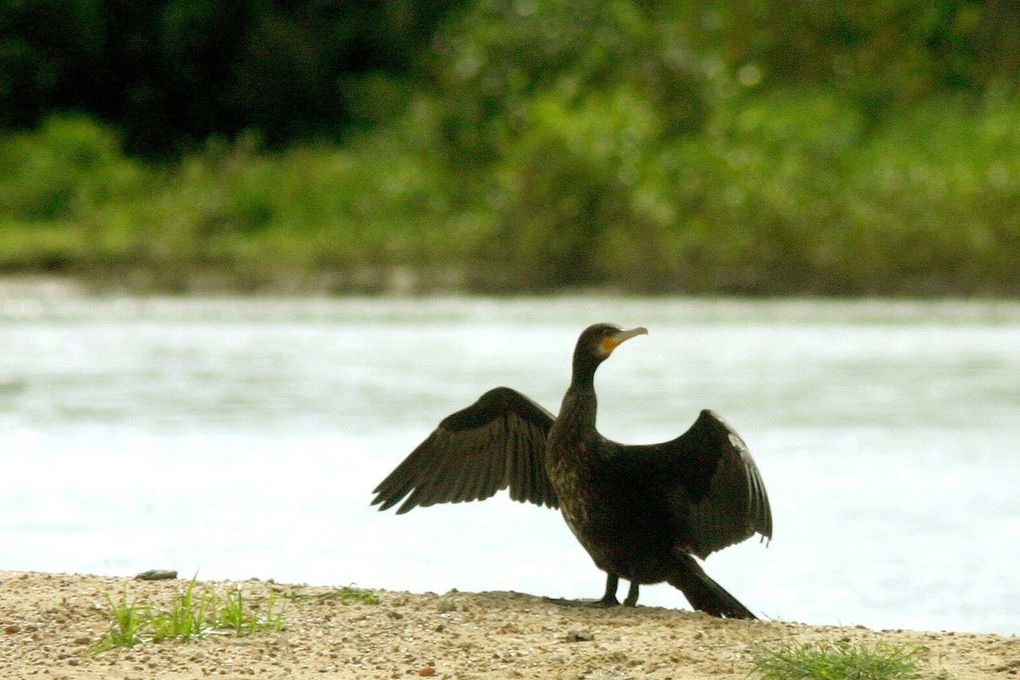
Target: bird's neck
579	409
575	426
583	372
579	403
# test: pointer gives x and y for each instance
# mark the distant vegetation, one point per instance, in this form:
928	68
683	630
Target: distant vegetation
498	146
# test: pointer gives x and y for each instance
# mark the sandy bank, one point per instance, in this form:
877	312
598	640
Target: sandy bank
49	621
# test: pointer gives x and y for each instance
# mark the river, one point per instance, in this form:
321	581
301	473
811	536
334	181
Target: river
242	437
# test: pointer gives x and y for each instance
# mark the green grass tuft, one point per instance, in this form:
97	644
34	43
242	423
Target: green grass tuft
188	618
837	660
345	596
192	615
126	626
235	615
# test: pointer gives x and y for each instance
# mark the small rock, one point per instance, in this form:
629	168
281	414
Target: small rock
427	671
12	629
579	636
157	575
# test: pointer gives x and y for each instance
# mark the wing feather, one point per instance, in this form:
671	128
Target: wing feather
733	505
712	484
495	474
523	466
496	443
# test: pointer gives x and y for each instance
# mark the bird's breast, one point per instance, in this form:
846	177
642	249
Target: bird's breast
566	467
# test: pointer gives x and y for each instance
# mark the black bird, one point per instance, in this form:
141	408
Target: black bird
641	512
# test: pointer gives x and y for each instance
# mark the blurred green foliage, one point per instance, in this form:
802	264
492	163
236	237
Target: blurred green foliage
770	147
168	73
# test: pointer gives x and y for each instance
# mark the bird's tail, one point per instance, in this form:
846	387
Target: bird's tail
704	594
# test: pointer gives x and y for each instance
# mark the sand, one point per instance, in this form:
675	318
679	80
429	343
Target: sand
48	622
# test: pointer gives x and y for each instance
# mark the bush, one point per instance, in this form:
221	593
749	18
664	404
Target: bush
53	185
563	191
64	170
493	64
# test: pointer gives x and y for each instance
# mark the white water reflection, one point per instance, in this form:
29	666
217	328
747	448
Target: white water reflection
242	437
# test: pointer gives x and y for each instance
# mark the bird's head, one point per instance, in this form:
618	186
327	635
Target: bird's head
595	345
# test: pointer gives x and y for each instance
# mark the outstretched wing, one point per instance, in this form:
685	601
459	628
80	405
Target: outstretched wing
497	442
712	484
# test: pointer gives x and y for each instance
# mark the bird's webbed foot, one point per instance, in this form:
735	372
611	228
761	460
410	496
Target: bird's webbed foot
608	598
605	603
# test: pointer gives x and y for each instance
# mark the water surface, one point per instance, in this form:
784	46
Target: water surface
242	437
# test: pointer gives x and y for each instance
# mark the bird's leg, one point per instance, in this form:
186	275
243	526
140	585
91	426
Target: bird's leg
609	598
632	595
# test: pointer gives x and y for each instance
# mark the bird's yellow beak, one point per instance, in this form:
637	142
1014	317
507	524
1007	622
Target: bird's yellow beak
611	342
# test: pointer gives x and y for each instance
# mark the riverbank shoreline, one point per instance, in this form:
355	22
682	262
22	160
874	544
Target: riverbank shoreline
50	622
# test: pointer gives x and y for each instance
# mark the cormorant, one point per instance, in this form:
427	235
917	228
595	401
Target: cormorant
642	512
